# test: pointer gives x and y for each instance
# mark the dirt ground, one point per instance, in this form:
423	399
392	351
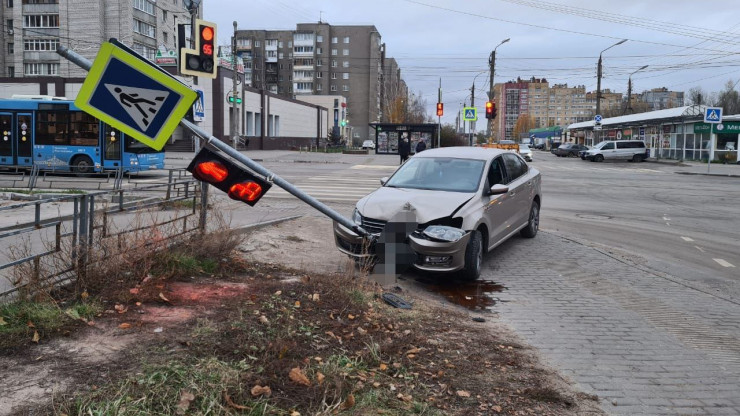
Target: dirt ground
417	361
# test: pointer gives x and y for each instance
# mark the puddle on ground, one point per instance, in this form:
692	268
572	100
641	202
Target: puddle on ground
476	296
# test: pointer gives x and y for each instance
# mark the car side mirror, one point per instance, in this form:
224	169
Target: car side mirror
498	189
383	180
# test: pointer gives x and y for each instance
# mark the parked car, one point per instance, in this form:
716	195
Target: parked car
569	149
582	153
526	152
368	144
465	200
632	150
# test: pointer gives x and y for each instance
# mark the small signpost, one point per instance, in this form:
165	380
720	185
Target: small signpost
470	114
134	96
712	115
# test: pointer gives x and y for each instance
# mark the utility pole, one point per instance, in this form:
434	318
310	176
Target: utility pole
439	118
472	104
234	92
598	77
628	106
492	65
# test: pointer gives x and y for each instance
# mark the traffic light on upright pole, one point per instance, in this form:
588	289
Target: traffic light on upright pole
238	182
493	110
440	109
201	61
489	109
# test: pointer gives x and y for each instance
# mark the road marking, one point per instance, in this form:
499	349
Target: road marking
724	263
700	249
687	239
668	224
666	218
373	167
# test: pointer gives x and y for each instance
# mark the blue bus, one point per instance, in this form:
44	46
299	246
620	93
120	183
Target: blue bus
53	134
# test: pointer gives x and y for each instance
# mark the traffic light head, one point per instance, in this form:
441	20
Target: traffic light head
200	61
440	109
238	182
489	109
493	110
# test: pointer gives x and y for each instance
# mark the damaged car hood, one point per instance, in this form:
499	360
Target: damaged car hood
385	202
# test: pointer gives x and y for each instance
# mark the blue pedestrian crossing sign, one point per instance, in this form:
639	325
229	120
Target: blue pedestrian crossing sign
470	114
134	96
713	115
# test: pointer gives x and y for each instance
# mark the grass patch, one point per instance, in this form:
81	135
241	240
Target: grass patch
20	320
179	204
45	191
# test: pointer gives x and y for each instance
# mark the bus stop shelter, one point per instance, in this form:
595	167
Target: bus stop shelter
389	135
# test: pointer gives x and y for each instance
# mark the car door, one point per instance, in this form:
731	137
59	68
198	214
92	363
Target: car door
499	209
623	150
609	151
520	187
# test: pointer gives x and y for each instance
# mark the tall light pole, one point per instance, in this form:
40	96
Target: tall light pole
472	104
598	77
628	106
234	95
492	71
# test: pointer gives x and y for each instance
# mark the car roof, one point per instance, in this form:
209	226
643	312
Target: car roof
463	152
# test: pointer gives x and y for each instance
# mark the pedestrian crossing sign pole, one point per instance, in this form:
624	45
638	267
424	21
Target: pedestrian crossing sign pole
134	96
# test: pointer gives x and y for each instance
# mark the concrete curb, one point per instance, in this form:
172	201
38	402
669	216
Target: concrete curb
257	226
726	175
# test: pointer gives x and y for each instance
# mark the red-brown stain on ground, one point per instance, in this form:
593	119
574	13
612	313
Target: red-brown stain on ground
187	298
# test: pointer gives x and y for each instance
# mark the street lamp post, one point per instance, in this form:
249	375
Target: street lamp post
492	71
628	105
598	77
472	104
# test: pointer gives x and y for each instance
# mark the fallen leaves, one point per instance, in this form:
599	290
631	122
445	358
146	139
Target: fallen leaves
349	402
36	337
2	321
258	390
264	320
164	298
296	374
231	403
463	393
125	325
120	308
184	404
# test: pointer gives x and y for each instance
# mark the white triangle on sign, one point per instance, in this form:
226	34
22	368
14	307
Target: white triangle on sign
141	104
713	115
470	114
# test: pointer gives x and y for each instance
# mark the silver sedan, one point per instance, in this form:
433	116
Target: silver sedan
454	204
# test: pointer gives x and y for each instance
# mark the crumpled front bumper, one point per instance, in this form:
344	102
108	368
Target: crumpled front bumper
353	245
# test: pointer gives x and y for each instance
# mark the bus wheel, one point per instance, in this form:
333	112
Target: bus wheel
82	165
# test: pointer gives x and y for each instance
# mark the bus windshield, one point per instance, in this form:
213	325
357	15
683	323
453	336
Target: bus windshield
135	146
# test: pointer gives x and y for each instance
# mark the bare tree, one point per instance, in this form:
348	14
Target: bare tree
524	123
729	98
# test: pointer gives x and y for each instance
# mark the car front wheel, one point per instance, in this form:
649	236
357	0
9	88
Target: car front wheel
598	158
534	222
473	257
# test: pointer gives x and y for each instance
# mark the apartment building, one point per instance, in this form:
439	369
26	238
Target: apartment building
32	30
321	59
612	103
661	99
548	105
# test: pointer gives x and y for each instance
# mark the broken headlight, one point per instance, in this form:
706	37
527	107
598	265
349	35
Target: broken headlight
444	233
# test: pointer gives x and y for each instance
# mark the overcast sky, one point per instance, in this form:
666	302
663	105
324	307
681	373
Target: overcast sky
686	43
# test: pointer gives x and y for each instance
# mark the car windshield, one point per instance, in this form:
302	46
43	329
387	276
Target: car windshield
599	146
523	147
439	174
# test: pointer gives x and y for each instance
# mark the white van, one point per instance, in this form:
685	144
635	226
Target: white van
632	150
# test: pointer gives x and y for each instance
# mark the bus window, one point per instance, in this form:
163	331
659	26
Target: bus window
135	146
6	146
84	129
112	143
51	128
24	136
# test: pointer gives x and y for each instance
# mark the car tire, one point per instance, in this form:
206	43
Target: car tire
82	165
598	158
473	257
533	225
637	158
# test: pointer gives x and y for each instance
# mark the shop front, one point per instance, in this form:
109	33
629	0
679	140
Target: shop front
388	136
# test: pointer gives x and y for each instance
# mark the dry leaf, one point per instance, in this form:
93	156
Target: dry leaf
294	413
120	308
278	293
411	356
349	402
30	324
392	387
361	331
297	375
161	296
36	337
125	325
413	351
258	390
383	367
406	398
184	404
2	321
231	403
320	377
350	316
84	295
133	291
315	297
298	304
496	408
463	393
376	384
264	320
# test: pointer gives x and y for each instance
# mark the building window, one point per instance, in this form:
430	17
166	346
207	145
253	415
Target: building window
303	49
242	42
164	36
318	87
345	75
318	51
346	39
345	52
11	48
271	43
145	6
319	62
9	3
334	40
41	20
333	52
280	55
333	88
164	15
40	69
345	64
333	63
345	87
280	44
290	43
319	38
257	44
333	75
9	26
145	51
144	28
303	36
319	74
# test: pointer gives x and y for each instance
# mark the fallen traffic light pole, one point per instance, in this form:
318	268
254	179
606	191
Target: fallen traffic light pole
85	64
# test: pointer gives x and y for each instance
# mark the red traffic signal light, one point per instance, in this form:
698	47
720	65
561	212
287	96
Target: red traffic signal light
200	61
489	109
238	182
440	109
